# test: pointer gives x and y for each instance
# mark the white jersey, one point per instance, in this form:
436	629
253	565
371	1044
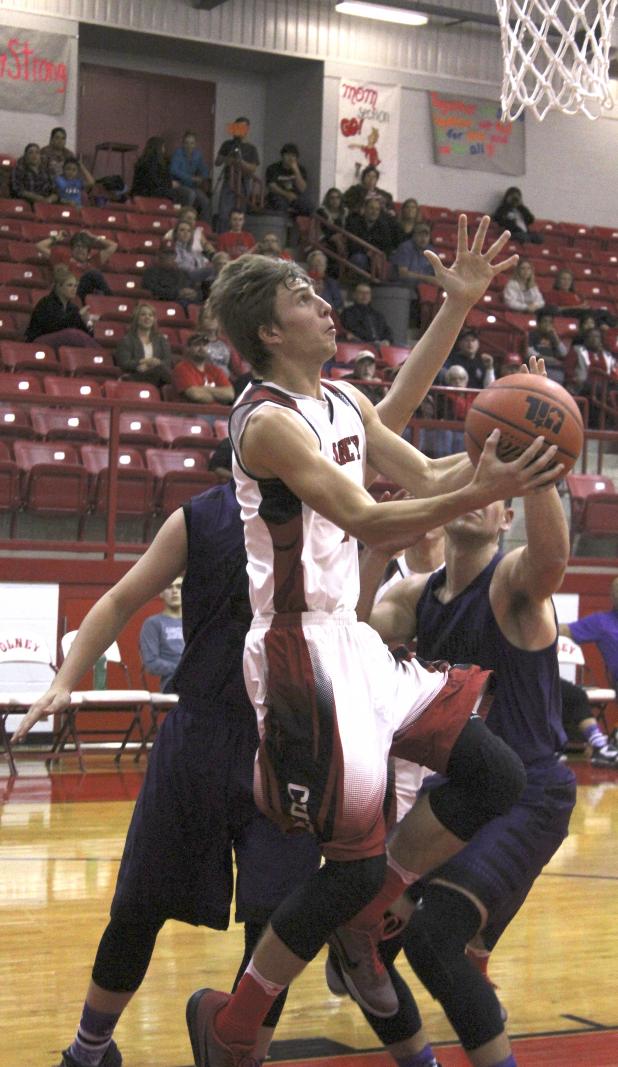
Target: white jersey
298	561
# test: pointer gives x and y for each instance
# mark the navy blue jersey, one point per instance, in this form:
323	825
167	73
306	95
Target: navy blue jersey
526	712
215	602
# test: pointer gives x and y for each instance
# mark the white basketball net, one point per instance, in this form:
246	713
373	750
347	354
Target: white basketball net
556	56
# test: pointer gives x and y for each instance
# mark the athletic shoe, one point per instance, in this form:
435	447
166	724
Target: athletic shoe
332	972
605	757
208	1049
112	1058
363	971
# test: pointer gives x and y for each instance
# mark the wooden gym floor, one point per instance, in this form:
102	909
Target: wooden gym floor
61	838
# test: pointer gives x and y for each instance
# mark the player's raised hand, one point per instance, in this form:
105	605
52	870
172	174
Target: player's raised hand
52	702
468	277
533	469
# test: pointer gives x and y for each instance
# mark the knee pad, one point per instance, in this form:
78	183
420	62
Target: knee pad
485	778
435	945
123	956
329	897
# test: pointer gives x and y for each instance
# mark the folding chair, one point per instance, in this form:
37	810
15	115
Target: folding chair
570	655
127	701
26	672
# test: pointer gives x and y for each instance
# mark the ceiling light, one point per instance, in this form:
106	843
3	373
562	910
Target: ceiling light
380	12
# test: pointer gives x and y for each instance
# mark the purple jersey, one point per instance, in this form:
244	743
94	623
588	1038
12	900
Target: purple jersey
602	628
526	711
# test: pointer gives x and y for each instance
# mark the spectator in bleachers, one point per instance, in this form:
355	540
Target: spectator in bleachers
324	285
190	170
144	354
161	641
544	341
457	406
219	260
355	196
409	217
362	322
152	177
512	214
601	629
365	377
199	380
219	351
587	322
196	265
592	354
521	293
286	182
563	294
372	224
56	153
511	363
409	259
200	241
270	246
57	320
334	210
31	179
85	254
165	280
466	354
236	241
240	160
73	182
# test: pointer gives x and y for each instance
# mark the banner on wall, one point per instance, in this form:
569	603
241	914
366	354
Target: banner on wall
367	132
469	133
34	70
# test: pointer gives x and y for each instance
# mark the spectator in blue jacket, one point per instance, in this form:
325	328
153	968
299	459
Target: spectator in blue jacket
189	168
161	640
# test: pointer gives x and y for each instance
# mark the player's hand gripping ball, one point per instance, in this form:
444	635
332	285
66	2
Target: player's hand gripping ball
522	407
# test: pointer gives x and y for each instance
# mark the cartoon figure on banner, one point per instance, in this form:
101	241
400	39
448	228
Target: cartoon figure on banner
369	151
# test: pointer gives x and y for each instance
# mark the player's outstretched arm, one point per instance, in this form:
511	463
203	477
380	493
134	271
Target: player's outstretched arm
161	563
464	282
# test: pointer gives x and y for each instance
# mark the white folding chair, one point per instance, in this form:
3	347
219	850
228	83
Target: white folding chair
570	655
26	672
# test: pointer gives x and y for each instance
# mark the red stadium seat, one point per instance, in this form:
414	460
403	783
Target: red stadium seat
135	485
134	428
71	388
15	421
15	209
168	313
10	485
180	431
24	275
19	384
126	285
55	481
153	205
131	263
138	223
27	355
347	351
138	242
103	219
66	425
580	488
111	307
38	231
180	475
221	428
132	391
393	355
87	361
62	213
15	298
9	328
109	333
25	252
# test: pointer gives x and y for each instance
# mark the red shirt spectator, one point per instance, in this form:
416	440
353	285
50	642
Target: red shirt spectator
236	241
199	380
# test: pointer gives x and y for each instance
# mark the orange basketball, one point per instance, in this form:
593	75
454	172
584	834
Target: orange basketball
522	407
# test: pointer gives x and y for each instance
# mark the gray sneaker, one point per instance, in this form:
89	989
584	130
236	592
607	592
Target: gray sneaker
605	757
112	1057
208	1049
363	971
332	973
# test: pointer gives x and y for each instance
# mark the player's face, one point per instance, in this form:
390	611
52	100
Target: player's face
480	526
304	328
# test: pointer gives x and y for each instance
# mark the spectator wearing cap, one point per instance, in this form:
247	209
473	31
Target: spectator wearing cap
85	255
240	160
511	363
467	354
362	322
286	181
197	379
365	377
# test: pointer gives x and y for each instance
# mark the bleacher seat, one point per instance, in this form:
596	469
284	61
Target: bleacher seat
27	355
580	488
393	355
135	485
132	391
33	230
131	263
87	361
71	388
15	298
134	428
153	205
180	475
15	421
15	209
129	241
138	223
10	484
11	229
108	333
168	313
126	285
25	252
179	431
102	219
347	351
55	482
62	213
20	384
66	425
8	327
112	307
24	275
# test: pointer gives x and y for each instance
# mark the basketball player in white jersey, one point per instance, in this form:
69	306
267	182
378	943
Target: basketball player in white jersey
329	697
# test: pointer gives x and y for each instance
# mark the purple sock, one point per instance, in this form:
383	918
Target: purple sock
93	1036
597	739
424	1058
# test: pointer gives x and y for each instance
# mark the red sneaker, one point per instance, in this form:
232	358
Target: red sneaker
208	1049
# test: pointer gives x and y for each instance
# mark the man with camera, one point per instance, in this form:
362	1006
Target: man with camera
240	160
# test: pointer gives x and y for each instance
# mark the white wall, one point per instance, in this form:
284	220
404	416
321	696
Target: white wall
571	162
18	128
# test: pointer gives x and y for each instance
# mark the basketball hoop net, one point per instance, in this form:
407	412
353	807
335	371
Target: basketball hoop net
556	56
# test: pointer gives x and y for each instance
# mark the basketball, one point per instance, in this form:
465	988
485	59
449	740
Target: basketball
522	407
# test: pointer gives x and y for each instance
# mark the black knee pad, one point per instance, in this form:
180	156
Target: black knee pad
329	897
123	956
485	778
435	942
